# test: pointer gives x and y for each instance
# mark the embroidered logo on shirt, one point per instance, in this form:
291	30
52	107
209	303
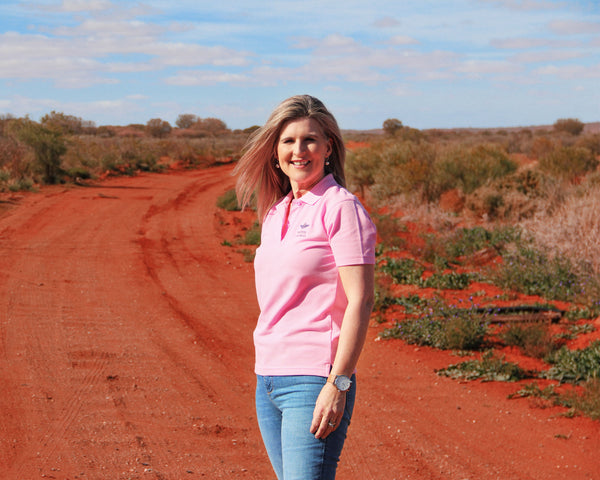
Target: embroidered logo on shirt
303	230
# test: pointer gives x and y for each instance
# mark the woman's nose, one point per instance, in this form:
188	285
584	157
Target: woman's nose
299	148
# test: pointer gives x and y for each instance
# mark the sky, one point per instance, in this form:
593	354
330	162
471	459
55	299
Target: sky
430	64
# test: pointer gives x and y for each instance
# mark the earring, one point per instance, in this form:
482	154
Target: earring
327	161
276	164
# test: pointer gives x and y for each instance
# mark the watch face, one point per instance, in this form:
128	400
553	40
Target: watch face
342	383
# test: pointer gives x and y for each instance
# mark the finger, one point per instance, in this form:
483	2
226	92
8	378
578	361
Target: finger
316	422
325	428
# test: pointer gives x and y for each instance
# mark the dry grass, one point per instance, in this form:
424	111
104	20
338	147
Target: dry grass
572	229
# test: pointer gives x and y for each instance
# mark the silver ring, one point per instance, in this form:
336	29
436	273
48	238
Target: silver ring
331	424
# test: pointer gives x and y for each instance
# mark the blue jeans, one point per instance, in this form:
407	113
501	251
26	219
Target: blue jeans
284	408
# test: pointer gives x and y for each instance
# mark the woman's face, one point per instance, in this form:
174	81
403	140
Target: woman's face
301	151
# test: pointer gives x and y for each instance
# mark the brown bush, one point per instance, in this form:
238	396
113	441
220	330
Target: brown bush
569	125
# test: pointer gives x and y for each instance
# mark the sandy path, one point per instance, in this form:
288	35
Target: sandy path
125	353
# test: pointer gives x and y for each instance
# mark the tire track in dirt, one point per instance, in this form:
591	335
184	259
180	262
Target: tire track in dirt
112	380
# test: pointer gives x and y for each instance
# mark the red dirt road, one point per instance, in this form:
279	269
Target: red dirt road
126	353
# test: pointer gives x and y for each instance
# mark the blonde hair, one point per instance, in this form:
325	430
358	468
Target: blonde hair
257	174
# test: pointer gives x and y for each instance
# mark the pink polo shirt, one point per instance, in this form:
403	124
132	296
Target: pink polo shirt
301	298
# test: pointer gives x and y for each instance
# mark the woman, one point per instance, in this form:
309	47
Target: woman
314	276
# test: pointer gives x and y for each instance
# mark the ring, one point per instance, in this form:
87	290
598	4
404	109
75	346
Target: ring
331	424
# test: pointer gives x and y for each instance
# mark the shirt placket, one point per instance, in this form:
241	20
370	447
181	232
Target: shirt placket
291	218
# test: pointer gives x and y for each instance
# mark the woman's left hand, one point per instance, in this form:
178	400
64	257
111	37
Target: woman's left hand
328	412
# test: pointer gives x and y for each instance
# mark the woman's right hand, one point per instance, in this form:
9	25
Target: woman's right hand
328	412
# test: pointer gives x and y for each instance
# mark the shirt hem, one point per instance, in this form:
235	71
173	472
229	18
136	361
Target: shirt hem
322	371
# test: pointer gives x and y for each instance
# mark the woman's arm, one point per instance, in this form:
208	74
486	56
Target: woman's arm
358	283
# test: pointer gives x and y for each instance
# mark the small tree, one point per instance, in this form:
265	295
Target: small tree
158	128
58	121
48	146
391	126
569	125
186	120
251	129
211	126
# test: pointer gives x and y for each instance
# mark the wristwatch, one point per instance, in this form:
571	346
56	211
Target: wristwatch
341	382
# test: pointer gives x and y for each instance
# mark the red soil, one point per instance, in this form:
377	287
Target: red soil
126	353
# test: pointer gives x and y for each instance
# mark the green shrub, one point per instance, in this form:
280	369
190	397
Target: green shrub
21	184
421	331
388	228
583	313
591	142
48	146
534	339
586	403
361	166
403	168
228	201
403	270
4	176
252	235
441	326
489	368
533	272
448	281
575	365
469	169
247	254
467	241
79	172
568	162
464	331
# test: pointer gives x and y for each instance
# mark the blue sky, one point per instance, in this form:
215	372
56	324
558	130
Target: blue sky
431	64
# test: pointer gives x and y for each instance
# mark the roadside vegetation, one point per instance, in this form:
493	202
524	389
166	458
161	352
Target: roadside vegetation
489	248
62	148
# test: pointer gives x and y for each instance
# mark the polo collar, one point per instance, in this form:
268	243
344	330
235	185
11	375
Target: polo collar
311	197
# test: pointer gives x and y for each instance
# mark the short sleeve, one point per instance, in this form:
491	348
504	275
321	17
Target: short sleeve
352	234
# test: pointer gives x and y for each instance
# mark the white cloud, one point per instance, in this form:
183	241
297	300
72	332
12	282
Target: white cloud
94	28
574	27
570	71
528	4
97	8
35	56
333	44
386	22
91	52
401	90
546	56
533	43
477	68
85	5
204	78
180	54
518	43
402	40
